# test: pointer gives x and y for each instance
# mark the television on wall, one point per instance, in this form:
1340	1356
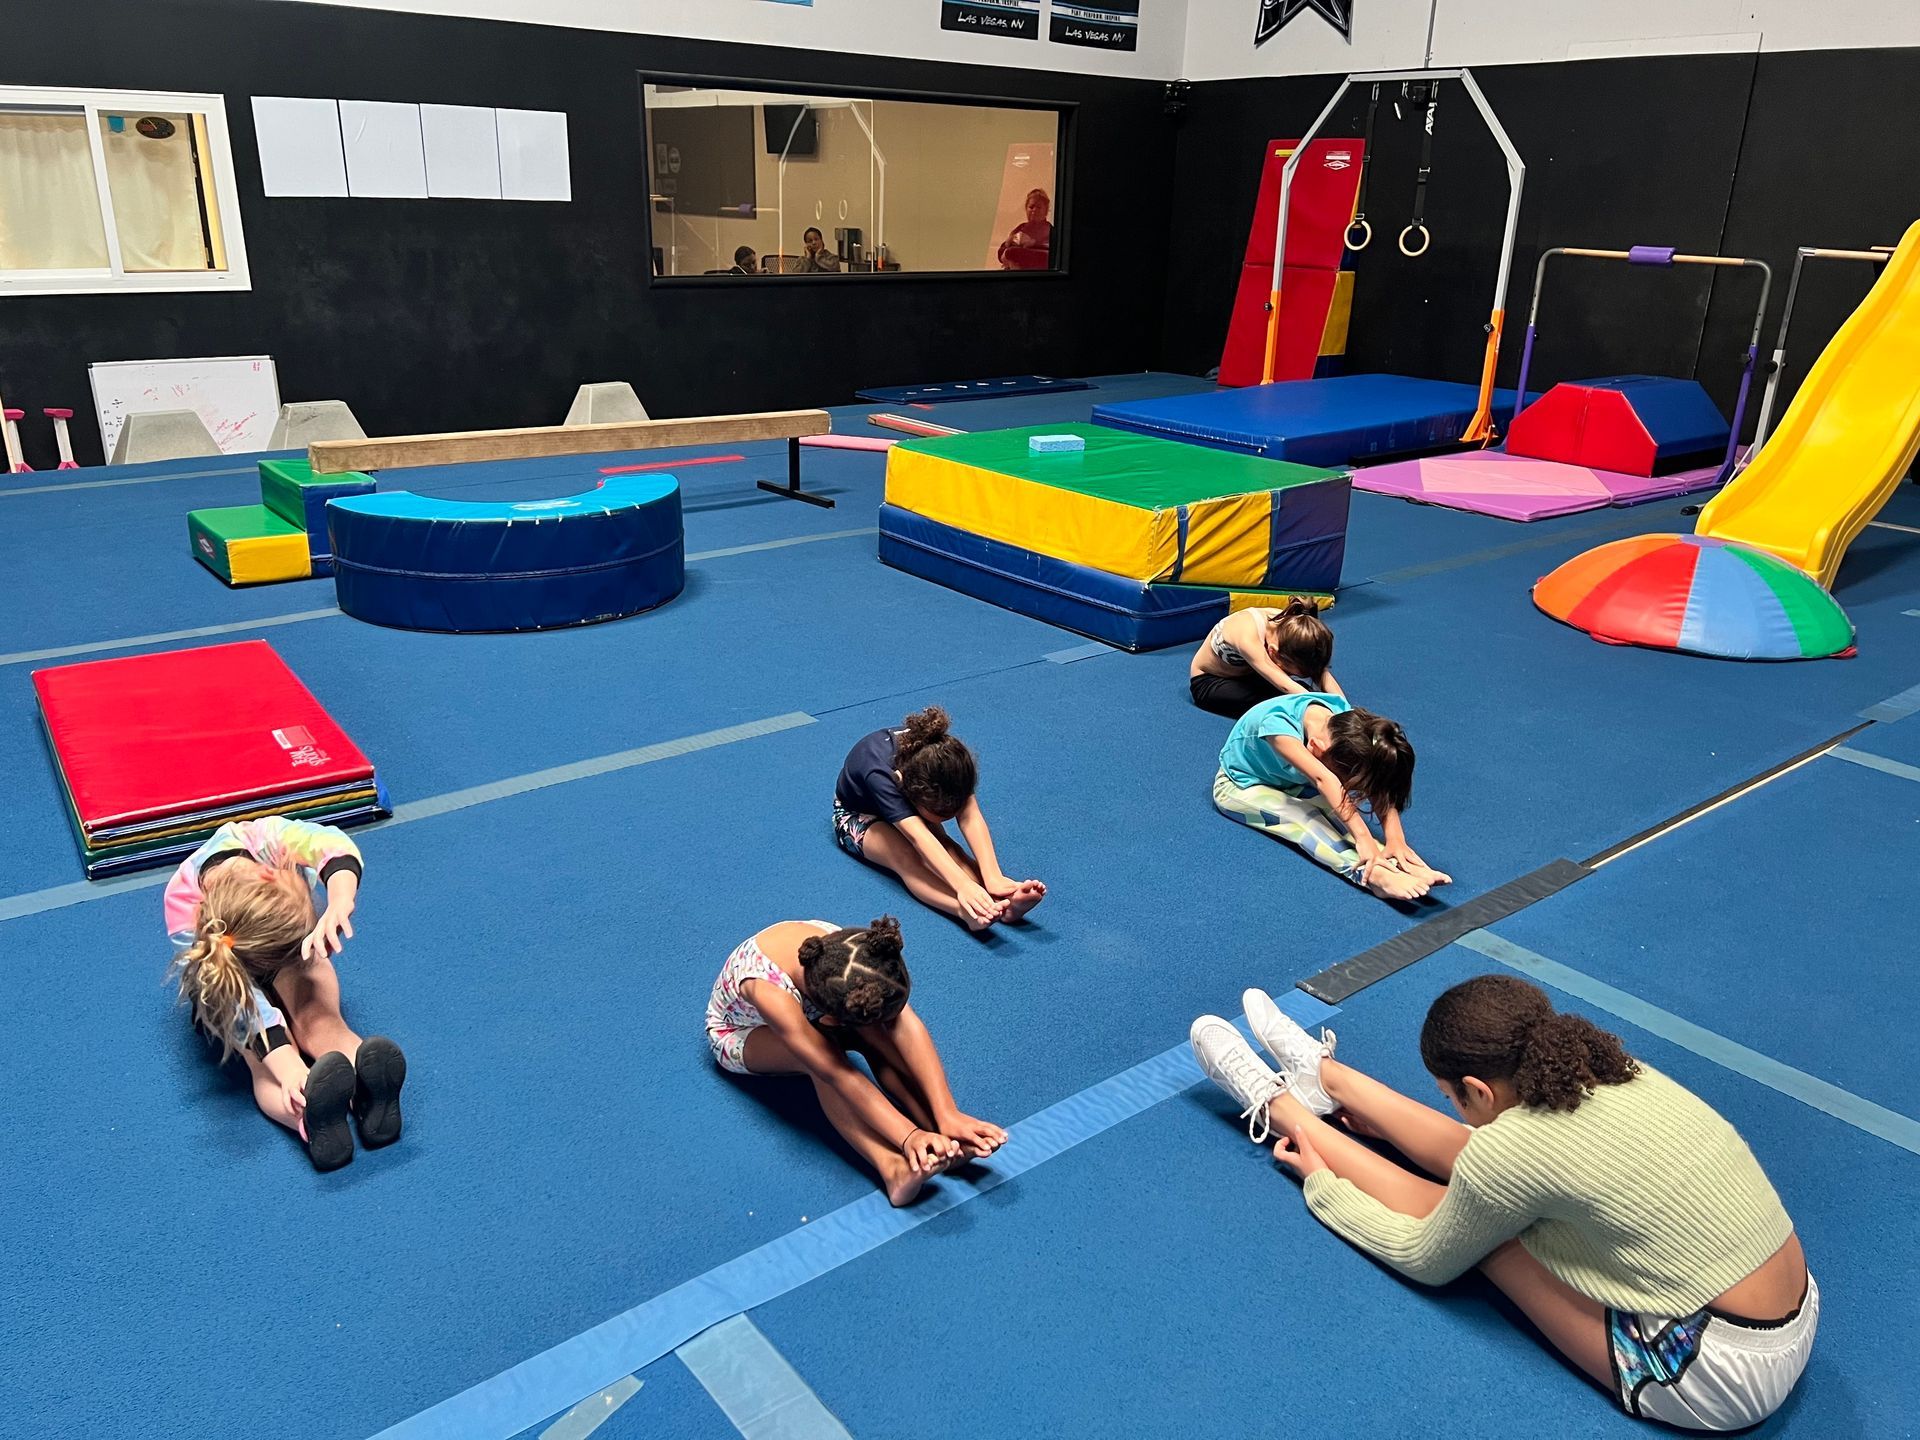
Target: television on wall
797	121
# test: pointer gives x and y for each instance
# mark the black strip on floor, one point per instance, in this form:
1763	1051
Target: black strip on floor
1339	982
1751	782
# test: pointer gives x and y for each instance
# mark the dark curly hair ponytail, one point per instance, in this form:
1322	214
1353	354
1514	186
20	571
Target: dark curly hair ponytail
1500	1027
937	771
858	976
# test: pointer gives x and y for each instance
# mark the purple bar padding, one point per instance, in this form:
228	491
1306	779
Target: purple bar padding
1650	255
1739	414
1526	363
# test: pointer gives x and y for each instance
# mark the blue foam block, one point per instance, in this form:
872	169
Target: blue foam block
1333	422
1131	614
421	563
951	390
1054	444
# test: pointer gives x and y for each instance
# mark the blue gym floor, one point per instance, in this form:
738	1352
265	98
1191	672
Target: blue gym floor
543	948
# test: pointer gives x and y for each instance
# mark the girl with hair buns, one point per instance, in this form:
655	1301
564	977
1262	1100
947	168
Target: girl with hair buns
256	915
1619	1211
896	793
1260	652
794	998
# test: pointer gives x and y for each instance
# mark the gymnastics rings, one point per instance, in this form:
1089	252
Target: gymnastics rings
1426	240
1366	234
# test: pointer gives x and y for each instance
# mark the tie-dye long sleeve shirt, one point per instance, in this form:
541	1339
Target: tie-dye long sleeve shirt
320	852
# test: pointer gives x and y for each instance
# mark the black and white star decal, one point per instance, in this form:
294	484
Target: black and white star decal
1276	13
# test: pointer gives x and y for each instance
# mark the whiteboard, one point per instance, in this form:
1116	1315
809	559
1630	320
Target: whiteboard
237	396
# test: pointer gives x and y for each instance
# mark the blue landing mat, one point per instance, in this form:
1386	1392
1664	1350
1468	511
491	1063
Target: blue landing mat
1166	1272
946	392
1336	421
1761	922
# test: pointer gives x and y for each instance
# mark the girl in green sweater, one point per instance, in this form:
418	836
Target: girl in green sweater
1619	1211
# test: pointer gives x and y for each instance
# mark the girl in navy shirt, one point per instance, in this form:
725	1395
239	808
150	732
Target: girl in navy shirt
896	793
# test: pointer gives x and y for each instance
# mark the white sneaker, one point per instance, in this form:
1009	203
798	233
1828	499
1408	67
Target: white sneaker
1299	1053
1231	1064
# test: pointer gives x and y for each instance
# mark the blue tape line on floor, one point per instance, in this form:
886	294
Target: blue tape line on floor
58	897
594	1411
331	612
1875	762
1843	1105
163	637
778	544
1894	707
753	1384
1078	652
506	1404
130	480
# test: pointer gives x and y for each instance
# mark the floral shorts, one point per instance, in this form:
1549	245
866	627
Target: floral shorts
850	830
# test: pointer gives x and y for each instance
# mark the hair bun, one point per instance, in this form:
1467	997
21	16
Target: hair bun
883	937
1300	605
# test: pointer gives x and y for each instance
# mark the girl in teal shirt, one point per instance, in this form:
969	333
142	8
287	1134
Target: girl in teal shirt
1298	766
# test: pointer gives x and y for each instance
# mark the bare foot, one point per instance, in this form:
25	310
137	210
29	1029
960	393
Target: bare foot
902	1183
1392	884
1029	894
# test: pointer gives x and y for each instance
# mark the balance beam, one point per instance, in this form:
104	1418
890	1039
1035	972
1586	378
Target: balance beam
466	447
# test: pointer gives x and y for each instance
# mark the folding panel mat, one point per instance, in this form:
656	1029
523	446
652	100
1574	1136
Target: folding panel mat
1515	487
948	391
1336	421
1145	509
1319	209
156	751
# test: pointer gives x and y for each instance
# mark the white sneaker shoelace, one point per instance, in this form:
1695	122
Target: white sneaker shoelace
1244	1072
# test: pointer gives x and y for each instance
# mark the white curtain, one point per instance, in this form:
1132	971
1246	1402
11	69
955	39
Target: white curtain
49	206
155	207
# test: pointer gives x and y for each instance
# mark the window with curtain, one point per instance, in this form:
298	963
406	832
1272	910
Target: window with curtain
114	190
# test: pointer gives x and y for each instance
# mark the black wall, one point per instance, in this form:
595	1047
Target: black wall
1734	154
442	314
451	314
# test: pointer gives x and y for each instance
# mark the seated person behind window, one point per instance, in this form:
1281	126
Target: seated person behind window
1030	246
817	259
745	262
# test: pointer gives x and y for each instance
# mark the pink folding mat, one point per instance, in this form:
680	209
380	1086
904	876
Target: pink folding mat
1514	487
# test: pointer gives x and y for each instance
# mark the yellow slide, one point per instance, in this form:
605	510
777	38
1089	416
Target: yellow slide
1846	441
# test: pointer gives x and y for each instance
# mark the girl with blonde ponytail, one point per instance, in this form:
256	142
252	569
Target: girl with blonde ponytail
256	915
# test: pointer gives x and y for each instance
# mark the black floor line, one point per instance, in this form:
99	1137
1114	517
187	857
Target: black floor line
1753	782
1340	982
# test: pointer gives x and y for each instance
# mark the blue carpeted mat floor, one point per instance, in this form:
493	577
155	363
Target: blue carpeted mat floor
571	1152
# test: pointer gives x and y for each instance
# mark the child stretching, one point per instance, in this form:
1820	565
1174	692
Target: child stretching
1622	1215
895	795
255	916
1258	653
793	999
1294	767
